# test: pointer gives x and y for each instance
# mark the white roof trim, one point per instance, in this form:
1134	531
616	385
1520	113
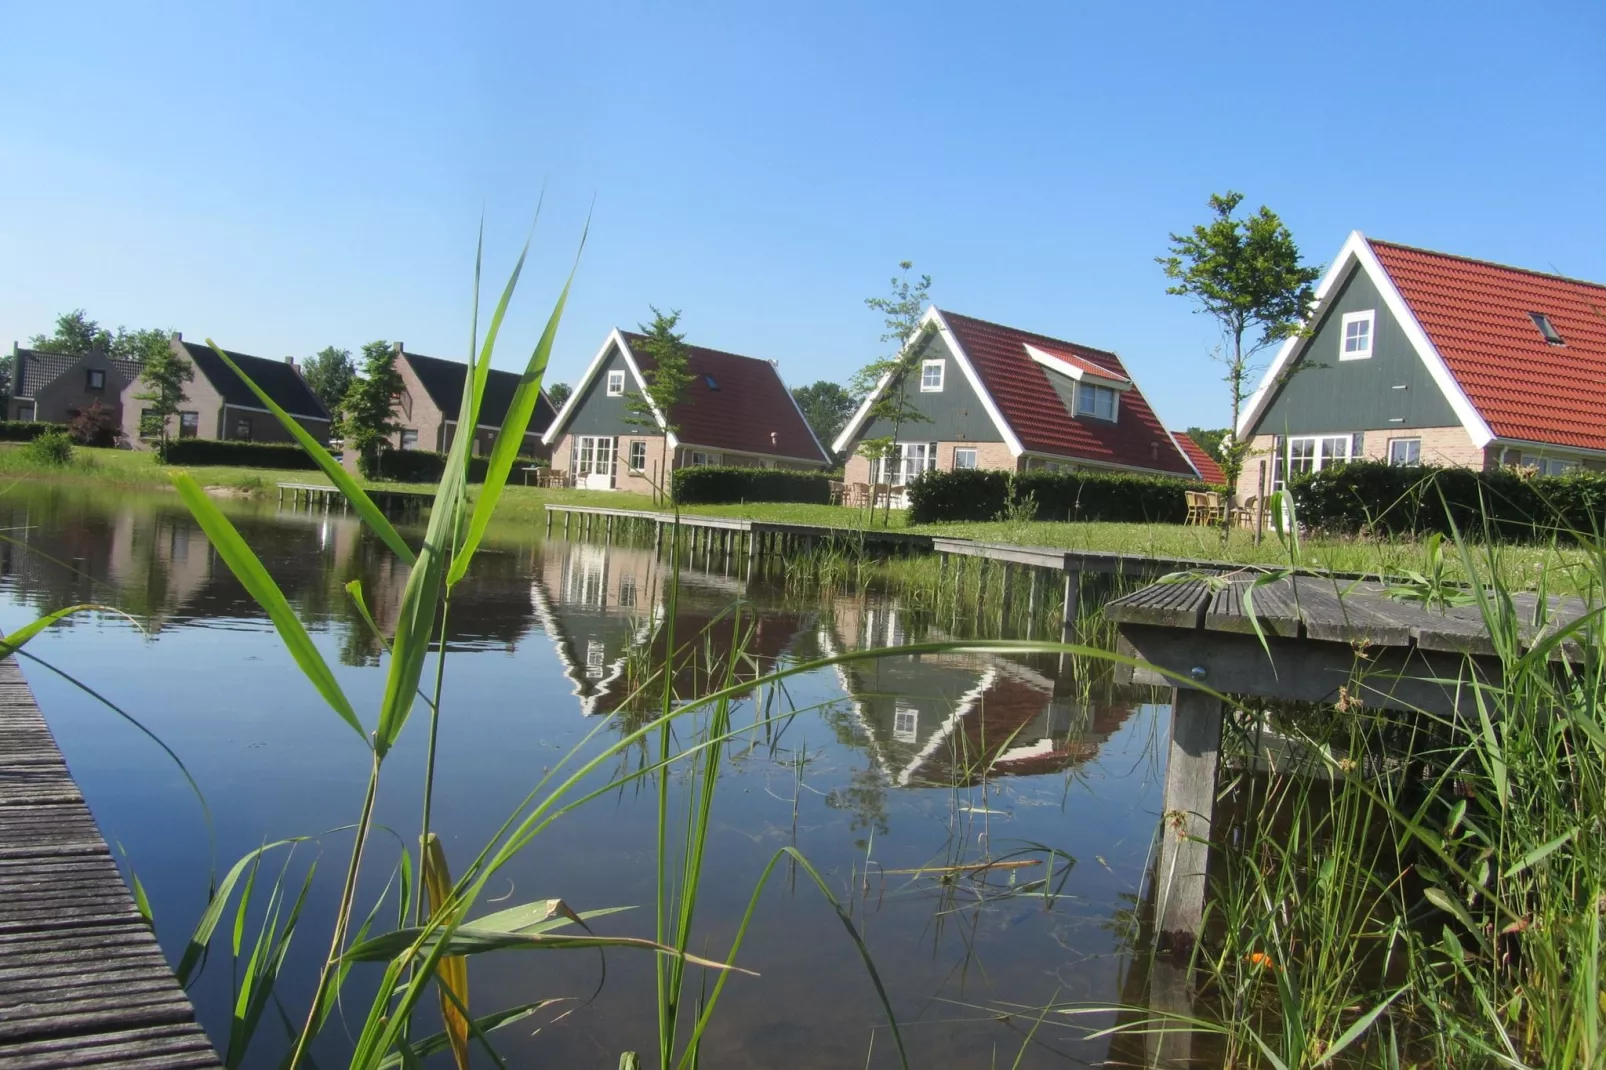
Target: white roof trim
934	317
615	337
1071	371
1172	435
1357	252
967	703
825	455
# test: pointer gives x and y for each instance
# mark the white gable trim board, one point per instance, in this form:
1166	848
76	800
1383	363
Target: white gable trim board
934	319
1071	371
1357	254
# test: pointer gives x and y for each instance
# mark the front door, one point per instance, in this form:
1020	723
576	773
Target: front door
593	464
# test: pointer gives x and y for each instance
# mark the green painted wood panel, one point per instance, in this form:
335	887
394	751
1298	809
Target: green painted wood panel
953	414
598	414
1388	391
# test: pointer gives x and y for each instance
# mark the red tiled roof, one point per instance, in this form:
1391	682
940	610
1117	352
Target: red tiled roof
1209	470
1021	389
1476	315
1084	364
744	407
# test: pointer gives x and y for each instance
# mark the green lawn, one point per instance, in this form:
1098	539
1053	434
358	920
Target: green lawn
1521	567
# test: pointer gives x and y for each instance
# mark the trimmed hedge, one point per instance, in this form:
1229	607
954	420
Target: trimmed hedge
25	430
239	454
1383	499
717	486
416	466
983	493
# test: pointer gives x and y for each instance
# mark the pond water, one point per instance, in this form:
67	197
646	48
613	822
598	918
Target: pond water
872	771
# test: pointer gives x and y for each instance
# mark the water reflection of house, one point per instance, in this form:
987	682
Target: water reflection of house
944	719
601	604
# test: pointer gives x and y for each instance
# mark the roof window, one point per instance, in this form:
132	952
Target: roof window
1552	335
713	384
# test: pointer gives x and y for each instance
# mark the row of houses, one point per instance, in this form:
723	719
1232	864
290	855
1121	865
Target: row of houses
1410	357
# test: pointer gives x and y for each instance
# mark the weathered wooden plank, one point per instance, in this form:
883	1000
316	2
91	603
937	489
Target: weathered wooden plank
1272	603
1180	604
1190	800
127	1049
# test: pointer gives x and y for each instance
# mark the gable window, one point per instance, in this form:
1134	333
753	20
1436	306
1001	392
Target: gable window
1095	401
596	654
189	424
409	439
964	457
95	379
1357	343
931	373
1550	333
638	456
1405	451
616	384
1312	453
905	723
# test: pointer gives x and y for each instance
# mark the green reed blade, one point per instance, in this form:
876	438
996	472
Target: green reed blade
509	439
438	1041
358	497
10	644
247	568
207	925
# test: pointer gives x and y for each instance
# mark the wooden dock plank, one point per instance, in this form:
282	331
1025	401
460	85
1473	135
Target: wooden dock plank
1173	604
82	980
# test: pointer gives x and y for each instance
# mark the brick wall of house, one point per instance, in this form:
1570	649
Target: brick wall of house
251	425
993	455
57	400
416	412
1450	447
200	397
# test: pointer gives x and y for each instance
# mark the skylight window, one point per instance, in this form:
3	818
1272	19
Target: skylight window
713	384
1552	335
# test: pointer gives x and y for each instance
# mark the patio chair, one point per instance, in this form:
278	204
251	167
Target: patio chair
838	492
1215	510
859	495
1196	506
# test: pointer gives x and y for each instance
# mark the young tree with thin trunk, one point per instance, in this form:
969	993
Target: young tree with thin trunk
667	381
901	310
368	417
165	373
1245	272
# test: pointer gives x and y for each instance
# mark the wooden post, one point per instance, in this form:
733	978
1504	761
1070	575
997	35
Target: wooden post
1190	801
549	521
1073	605
1260	504
1031	601
1171	1042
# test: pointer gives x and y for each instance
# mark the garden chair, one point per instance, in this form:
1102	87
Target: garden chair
1214	509
859	495
838	492
1196	506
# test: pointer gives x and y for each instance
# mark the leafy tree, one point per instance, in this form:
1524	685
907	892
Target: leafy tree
558	393
330	374
76	334
1246	273
165	373
900	310
94	425
1209	440
368	416
826	406
667	381
141	346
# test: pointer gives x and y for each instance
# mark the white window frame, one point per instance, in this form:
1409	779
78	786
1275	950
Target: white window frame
637	446
1098	390
938	364
1368	317
1549	466
1318	457
594	455
971	451
409	438
905	723
616	384
1405	442
923	454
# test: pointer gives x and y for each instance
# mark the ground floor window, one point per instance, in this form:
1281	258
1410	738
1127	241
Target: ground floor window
1548	466
189	423
1312	453
242	429
593	455
908	461
699	459
638	456
1405	451
964	457
409	438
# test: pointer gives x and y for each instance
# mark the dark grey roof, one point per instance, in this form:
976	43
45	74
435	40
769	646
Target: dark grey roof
37	368
280	381
443	381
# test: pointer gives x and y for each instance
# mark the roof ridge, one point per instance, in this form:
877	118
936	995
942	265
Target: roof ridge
1488	263
705	349
1018	330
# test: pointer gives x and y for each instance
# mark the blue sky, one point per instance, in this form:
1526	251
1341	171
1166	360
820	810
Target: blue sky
313	174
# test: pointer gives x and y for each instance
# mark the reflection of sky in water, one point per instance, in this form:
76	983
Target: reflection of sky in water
904	763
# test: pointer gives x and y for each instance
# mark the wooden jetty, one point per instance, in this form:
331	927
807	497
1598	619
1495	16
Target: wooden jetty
1324	638
82	980
328	498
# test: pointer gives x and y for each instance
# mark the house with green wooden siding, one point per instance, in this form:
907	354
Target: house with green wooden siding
990	396
1418	357
736	411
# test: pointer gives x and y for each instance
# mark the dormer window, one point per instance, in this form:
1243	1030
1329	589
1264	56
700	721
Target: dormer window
931	373
616	384
1357	340
1095	401
1550	333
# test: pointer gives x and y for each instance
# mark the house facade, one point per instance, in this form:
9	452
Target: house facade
55	387
432	395
1418	357
219	405
990	396
736	411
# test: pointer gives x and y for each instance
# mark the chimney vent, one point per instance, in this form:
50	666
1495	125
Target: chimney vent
290	361
398	348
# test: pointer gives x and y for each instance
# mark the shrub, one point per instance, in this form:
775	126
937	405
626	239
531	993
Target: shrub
241	454
25	430
715	486
985	494
1383	499
415	466
52	448
95	425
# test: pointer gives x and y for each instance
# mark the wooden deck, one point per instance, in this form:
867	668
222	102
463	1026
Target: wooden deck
1321	640
82	980
329	498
